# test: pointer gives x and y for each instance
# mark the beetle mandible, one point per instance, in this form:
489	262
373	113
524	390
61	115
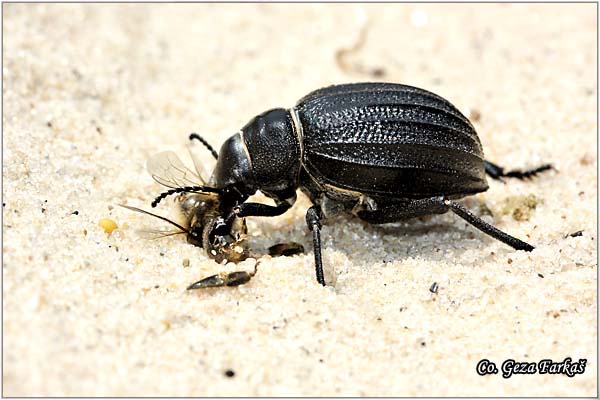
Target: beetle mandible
382	152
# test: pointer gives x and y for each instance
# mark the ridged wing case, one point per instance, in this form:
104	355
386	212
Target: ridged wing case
389	140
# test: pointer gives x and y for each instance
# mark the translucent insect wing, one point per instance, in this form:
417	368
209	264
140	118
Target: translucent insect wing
167	169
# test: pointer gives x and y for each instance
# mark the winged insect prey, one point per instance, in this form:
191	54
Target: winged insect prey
200	210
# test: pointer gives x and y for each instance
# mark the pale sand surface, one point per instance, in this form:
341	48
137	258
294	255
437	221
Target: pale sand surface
90	92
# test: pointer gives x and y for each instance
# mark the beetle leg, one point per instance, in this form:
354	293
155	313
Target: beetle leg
261	210
254	210
313	220
485	227
400	210
497	172
251	210
437	205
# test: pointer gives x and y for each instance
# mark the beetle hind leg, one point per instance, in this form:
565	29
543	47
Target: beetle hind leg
486	228
497	172
403	210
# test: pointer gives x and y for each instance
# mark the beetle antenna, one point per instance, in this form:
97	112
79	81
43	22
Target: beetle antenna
160	235
157	216
184	189
205	143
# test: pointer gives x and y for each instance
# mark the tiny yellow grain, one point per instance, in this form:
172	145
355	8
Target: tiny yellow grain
108	225
166	324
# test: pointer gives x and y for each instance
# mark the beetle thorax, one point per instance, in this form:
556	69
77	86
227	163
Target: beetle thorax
274	150
264	156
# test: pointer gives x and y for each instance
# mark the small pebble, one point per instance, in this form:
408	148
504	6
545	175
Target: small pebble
474	115
434	287
230	373
108	225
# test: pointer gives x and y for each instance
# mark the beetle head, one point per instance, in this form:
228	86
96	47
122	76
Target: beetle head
233	172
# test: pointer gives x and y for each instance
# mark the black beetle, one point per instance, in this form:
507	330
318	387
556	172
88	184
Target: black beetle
383	152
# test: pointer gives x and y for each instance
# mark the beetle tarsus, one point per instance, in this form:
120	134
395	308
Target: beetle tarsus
487	228
313	221
497	172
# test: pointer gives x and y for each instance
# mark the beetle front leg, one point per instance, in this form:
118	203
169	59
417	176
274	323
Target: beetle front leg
253	210
313	220
260	210
497	172
263	210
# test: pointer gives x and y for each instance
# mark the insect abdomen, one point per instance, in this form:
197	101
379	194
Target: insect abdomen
391	140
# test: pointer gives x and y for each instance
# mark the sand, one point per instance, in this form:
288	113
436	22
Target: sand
91	91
